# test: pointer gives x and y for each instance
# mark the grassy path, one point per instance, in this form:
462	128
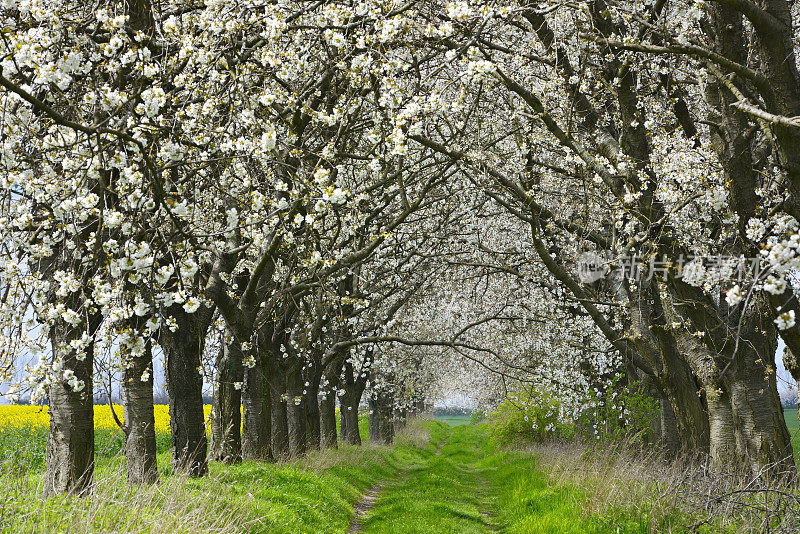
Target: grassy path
461	484
434	479
443	491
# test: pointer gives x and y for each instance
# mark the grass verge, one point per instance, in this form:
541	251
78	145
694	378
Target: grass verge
314	494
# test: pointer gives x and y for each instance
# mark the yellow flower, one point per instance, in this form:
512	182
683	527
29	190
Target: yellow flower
37	416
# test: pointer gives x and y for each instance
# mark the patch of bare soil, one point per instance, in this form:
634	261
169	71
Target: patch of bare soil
362	507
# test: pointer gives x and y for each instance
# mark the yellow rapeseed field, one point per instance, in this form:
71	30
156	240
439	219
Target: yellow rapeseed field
36	416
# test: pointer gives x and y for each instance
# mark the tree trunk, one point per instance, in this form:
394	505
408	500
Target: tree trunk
353	389
690	417
295	411
140	423
349	415
329	384
672	374
374	419
385	411
344	431
381	417
722	451
280	431
227	422
722	437
183	349
312	412
70	444
763	439
668	429
327	416
257	428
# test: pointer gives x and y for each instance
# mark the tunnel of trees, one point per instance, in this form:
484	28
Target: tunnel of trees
308	208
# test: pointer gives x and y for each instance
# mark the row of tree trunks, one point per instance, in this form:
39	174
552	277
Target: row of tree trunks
283	414
268	432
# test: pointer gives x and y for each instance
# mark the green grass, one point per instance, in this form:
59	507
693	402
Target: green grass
23	448
794	429
439	477
528	502
471	487
315	494
454	420
439	493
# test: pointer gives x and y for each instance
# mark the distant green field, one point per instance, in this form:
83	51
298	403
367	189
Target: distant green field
453	420
791	420
790	415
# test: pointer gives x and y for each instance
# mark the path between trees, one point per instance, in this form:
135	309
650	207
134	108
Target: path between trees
445	490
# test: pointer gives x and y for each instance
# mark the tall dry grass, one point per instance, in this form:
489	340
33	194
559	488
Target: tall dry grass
416	434
685	493
175	505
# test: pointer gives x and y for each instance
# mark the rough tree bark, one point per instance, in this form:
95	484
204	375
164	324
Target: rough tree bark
747	429
257	428
295	409
227	422
690	419
278	417
312	409
343	422
354	387
327	417
374	419
349	416
327	403
327	409
385	422
183	349
140	424
381	420
70	444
